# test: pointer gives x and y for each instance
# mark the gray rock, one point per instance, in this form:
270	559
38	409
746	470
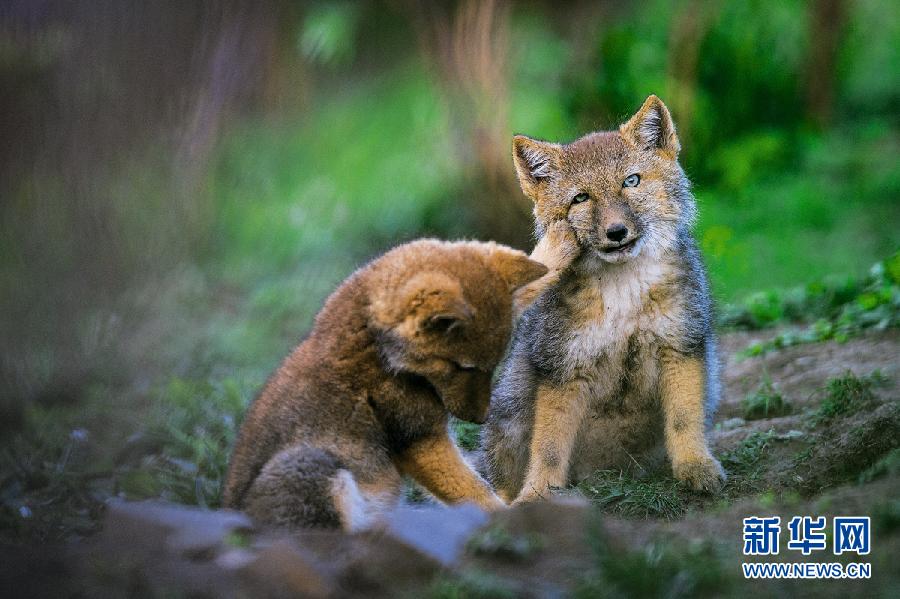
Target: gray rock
192	532
160	549
441	532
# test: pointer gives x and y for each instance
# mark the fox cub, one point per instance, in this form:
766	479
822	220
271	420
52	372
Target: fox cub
365	398
618	358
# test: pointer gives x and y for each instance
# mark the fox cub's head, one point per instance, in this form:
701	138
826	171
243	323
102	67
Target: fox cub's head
622	191
443	311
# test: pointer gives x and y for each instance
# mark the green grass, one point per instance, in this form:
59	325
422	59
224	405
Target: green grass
173	445
661	569
886	516
497	540
619	493
467	434
413	492
765	402
745	458
469	584
353	175
887	465
847	394
189	438
54	470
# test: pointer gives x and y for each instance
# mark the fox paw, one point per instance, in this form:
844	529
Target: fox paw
531	494
493	503
559	246
703	474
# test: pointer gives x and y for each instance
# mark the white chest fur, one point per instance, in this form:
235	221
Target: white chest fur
611	311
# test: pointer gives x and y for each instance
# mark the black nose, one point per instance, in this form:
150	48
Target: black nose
617	232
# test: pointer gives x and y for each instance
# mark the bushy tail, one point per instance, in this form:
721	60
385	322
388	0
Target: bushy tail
304	486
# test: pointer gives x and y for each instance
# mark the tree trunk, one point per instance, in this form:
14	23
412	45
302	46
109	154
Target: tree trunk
466	45
826	27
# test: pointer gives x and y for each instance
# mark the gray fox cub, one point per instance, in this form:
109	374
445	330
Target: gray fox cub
618	358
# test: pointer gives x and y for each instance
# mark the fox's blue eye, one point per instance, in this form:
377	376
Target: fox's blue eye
581	197
631	180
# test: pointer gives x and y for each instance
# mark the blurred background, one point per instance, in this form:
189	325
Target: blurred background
181	185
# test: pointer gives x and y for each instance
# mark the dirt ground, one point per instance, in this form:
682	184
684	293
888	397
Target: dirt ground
805	467
802	461
799	371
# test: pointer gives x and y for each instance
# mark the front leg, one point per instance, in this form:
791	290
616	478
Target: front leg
558	414
682	384
435	462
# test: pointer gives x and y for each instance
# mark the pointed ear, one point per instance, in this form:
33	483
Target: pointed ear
536	161
651	128
433	302
515	268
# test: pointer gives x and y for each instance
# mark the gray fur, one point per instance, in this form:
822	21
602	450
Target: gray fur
623	347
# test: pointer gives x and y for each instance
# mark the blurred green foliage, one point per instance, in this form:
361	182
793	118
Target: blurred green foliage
193	426
372	163
328	33
835	308
224	274
780	200
678	569
469	584
347	180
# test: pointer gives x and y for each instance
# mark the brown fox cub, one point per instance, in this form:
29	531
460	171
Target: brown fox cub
365	398
618	357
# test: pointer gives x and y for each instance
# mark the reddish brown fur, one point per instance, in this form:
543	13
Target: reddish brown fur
404	341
